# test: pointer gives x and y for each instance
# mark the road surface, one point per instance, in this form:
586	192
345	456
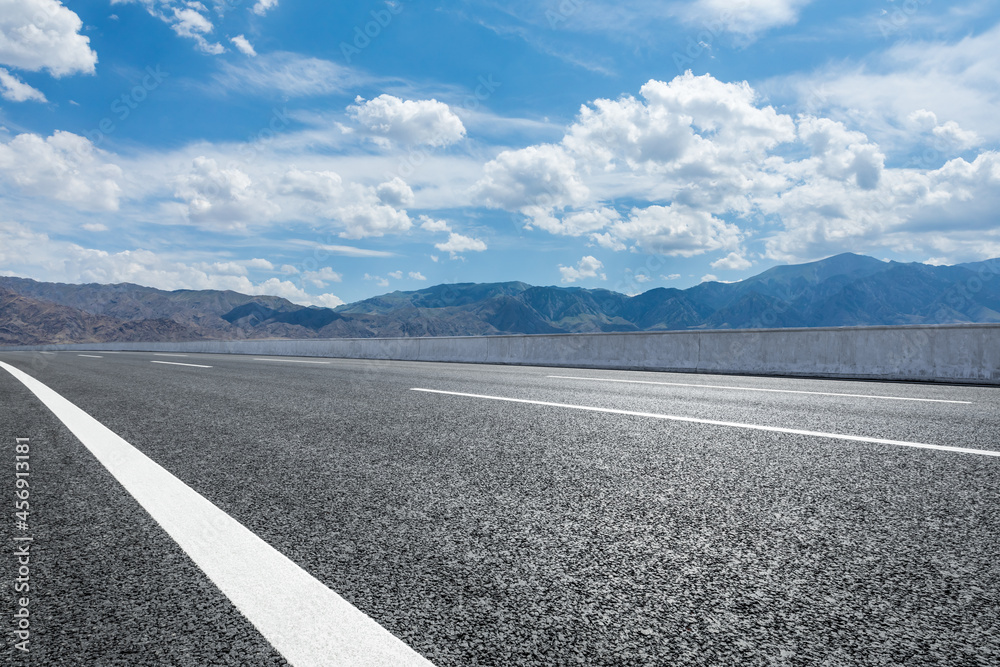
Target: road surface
488	515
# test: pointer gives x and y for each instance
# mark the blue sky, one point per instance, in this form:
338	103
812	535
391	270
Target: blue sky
331	151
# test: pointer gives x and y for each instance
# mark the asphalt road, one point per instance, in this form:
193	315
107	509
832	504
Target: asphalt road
491	532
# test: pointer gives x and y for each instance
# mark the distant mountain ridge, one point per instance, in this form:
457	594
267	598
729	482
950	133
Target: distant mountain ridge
844	290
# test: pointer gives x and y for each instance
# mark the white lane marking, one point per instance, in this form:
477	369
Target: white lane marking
92	356
778	391
164	354
696	420
309	624
292	361
177	363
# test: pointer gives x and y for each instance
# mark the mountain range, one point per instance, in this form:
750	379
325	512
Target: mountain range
844	290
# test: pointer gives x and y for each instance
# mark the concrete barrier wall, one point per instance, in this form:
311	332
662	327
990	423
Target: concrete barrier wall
946	353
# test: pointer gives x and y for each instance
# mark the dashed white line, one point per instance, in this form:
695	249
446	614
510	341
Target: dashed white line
778	391
177	363
292	361
309	624
164	354
713	422
92	356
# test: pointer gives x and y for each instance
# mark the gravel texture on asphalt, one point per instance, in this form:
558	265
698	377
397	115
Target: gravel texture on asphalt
492	533
108	586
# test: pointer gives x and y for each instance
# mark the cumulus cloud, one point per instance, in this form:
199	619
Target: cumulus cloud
321	277
587	267
389	119
676	230
734	261
15	90
534	180
432	225
458	243
395	193
224	195
43	34
701	162
243	45
416	275
64	167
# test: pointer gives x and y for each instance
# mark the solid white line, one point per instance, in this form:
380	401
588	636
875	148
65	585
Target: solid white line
696	420
92	356
309	624
177	363
164	354
779	391
292	361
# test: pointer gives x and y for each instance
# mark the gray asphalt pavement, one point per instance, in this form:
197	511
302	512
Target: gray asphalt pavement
487	532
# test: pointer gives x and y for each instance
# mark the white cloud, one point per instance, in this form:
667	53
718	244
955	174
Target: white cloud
744	18
533	180
36	255
379	280
187	18
643	278
709	278
263	6
416	275
368	216
395	193
351	251
703	162
65	167
43	34
15	90
228	196
408	122
457	243
94	227
243	45
395	275
432	225
290	74
319	186
676	230
587	267
672	276
734	261
321	277
955	81
258	263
